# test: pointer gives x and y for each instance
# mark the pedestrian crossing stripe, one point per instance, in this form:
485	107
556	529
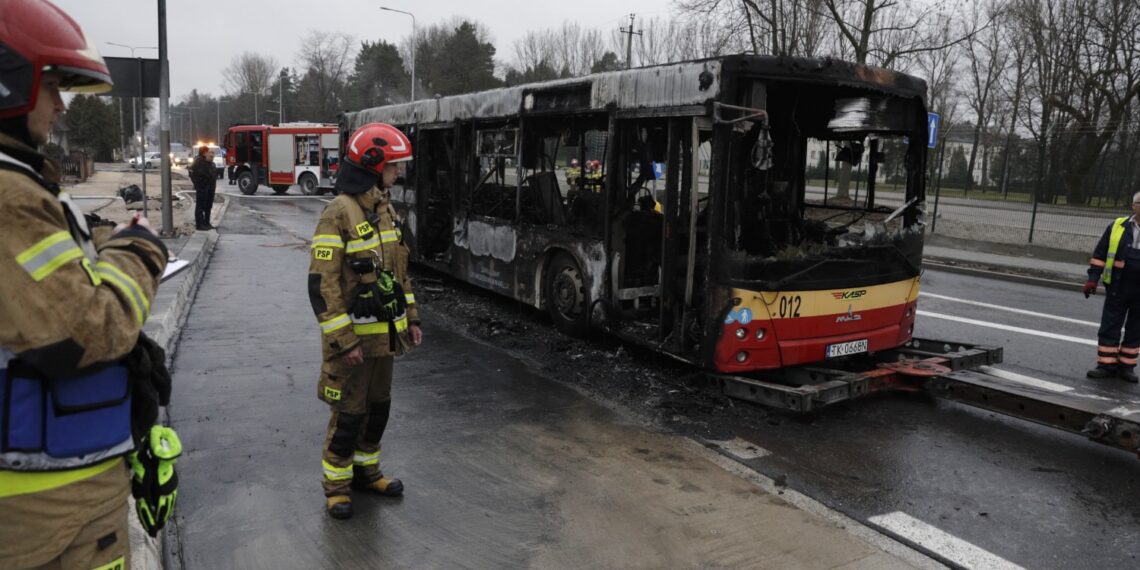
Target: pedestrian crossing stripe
322	253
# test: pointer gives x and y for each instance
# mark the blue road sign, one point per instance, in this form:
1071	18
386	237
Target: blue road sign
931	130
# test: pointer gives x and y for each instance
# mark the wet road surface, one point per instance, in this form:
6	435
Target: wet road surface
503	467
970	486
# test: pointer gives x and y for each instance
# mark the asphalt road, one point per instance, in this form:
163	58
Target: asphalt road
1027	494
972	487
503	468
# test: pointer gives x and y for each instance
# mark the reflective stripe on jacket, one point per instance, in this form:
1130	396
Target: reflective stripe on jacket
73	300
342	234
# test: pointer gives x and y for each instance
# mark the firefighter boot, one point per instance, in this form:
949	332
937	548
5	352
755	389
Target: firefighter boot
381	485
1128	374
1102	371
339	506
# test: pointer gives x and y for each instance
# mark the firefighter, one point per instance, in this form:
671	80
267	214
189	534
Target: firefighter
573	175
1116	261
362	296
73	298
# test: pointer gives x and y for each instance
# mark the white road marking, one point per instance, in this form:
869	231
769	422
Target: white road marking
1009	309
1000	326
1023	379
945	544
742	448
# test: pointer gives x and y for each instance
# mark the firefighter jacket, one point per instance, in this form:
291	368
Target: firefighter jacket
73	300
361	227
1115	255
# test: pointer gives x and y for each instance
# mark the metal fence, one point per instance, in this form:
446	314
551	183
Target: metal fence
1059	194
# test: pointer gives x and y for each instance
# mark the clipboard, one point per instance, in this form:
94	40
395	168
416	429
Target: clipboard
174	266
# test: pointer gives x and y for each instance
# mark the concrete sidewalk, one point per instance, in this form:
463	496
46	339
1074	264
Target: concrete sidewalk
1026	263
504	468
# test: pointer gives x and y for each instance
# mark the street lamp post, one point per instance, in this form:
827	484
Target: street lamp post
413	45
193	132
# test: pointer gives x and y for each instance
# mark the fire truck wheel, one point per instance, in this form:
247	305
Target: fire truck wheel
246	183
565	293
308	184
280	189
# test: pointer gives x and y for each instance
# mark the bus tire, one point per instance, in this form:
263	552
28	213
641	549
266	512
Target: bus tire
567	301
308	184
246	183
280	189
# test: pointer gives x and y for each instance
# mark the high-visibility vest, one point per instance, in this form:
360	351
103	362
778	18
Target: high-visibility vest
1113	245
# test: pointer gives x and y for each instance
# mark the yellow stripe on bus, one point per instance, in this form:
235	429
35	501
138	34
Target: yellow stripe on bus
798	304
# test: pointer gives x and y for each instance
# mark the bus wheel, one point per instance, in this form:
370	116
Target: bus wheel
566	295
246	183
308	184
280	189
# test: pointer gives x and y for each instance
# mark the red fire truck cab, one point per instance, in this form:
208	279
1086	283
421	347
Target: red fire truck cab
305	154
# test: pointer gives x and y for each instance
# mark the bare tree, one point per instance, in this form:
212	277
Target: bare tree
777	27
987	56
325	59
1099	59
250	73
881	32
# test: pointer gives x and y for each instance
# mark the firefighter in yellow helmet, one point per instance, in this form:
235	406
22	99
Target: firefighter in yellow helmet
73	298
362	296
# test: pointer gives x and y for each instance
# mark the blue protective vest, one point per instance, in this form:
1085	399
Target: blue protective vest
48	425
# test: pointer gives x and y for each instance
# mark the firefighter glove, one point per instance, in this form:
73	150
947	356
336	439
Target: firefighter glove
381	300
154	483
1089	288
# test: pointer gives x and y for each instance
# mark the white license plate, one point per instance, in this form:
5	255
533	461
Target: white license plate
847	348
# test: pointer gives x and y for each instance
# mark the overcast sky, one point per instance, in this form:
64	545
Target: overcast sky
204	36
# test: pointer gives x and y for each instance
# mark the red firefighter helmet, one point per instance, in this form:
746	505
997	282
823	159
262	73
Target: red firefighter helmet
369	149
36	36
376	144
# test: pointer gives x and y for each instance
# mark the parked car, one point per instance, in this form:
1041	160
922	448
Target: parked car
153	159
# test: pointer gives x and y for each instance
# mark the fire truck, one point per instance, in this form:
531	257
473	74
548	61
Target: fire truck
279	156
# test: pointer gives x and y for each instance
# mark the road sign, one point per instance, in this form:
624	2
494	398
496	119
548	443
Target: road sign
658	170
931	130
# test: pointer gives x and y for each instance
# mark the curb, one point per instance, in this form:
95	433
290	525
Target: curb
1051	280
164	326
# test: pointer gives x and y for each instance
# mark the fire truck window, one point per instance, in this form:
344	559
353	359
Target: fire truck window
255	147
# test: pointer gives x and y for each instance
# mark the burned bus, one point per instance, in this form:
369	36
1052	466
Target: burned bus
742	213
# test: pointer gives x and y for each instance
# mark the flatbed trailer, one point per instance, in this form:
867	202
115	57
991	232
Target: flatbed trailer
949	370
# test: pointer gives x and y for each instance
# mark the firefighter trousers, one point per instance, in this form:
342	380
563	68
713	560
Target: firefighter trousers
1119	311
361	400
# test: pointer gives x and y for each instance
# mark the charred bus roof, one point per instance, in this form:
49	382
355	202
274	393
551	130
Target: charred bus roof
689	83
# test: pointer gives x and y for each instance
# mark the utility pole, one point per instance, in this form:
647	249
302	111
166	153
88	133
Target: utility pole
281	98
629	40
164	136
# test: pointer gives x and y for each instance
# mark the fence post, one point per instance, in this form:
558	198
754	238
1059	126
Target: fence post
938	185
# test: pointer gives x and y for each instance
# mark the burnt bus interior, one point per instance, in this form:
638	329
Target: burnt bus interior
772	187
789	225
